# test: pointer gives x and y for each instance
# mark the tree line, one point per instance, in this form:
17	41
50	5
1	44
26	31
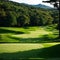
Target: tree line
17	14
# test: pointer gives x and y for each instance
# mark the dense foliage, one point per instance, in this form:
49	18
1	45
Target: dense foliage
17	14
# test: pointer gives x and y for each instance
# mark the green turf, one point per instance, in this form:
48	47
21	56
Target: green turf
28	34
35	43
22	51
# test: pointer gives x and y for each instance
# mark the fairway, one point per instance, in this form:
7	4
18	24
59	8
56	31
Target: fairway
29	43
28	34
34	34
29	51
18	47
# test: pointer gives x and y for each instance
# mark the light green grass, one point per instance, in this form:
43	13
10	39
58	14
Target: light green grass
33	34
14	47
18	47
28	51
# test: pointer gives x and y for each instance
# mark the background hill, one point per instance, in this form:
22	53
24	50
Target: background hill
42	6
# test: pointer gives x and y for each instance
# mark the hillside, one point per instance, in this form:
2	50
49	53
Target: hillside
19	14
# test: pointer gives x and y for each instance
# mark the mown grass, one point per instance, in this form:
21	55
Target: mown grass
29	43
43	51
28	34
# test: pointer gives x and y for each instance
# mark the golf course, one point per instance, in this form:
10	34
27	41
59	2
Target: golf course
29	30
28	51
29	43
28	34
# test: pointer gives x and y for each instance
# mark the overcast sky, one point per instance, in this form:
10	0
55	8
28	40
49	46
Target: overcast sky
32	2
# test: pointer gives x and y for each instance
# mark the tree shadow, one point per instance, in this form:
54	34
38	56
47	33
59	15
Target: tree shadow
26	27
45	53
2	31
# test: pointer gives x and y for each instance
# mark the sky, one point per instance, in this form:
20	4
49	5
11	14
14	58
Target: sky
33	2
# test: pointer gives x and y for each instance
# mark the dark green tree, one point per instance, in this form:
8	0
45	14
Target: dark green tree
12	14
23	20
11	18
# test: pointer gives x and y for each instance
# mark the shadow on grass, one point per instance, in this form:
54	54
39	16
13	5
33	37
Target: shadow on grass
43	39
44	53
2	31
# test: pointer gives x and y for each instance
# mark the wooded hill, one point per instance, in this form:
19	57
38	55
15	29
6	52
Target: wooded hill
19	14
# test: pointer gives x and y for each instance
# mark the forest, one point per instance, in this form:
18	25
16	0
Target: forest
13	14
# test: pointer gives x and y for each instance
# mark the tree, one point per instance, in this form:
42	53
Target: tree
55	3
3	21
11	19
23	20
15	14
